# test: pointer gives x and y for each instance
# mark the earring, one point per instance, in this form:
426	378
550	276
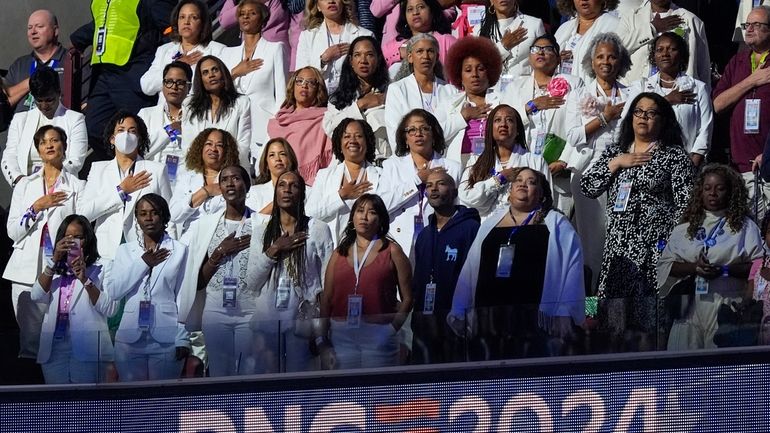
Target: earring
491	10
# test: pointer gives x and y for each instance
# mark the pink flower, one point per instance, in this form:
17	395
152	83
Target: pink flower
558	87
588	106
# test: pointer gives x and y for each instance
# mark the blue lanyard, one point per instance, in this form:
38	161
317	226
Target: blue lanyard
526	221
717	230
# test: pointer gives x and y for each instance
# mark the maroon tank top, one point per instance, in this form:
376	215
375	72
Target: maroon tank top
377	286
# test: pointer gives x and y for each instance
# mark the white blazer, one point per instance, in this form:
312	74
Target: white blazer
695	119
22	266
313	42
101	203
325	203
374	116
128	277
20	140
455	124
237	123
638	21
160	143
404	95
605	23
399	178
152	80
516	60
265	87
182	215
88	331
261	195
191	300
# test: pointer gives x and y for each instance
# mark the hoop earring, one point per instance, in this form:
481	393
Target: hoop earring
491	10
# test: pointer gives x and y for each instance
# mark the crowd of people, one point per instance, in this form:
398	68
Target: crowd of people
462	184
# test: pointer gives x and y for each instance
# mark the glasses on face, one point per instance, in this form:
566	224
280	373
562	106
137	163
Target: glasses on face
169	83
413	130
309	81
642	114
547	49
754	25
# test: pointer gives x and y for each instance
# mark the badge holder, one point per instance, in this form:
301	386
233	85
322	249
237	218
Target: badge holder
355	307
172	163
418	225
47	244
539	143
505	260
624	193
101	36
701	285
430	298
229	288
62	323
751	118
145	315
283	293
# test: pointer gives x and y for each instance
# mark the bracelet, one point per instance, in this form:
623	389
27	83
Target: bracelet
501	178
47	271
30	214
603	120
208	196
123	196
532	107
725	271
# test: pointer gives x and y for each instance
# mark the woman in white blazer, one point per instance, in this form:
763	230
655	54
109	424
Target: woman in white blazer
593	117
20	157
197	190
689	96
39	204
259	68
287	264
277	159
150	343
575	35
215	295
540	100
487	179
216	103
114	186
420	146
473	66
339	185
164	120
639	21
75	344
330	26
191	39
513	33
361	93
423	88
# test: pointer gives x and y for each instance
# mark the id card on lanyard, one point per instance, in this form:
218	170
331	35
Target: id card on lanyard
751	116
230	280
66	289
566	65
702	284
507	251
356	301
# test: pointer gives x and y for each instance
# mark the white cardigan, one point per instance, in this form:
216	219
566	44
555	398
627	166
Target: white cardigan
127	278
101	203
313	42
516	60
88	331
237	123
563	290
638	20
22	266
695	119
605	23
265	87
20	140
325	203
152	80
404	95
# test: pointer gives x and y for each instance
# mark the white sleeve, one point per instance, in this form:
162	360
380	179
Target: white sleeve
77	145
244	134
152	80
482	196
10	160
703	138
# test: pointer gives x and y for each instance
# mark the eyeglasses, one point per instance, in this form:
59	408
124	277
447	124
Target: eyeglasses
755	25
547	49
309	81
413	130
168	83
649	114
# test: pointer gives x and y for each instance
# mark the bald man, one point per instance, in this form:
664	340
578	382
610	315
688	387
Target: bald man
439	254
43	37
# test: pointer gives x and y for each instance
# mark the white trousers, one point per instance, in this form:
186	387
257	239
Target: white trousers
591	224
63	367
369	346
146	359
230	343
29	316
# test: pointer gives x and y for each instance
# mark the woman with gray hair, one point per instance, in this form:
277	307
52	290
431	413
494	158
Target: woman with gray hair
593	123
420	85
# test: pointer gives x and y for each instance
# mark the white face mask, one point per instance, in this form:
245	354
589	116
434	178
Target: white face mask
126	142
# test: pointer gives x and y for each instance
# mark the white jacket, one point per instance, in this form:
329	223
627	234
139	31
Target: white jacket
101	203
152	80
516	60
187	183
237	123
22	266
20	140
88	331
160	143
455	124
605	23
374	116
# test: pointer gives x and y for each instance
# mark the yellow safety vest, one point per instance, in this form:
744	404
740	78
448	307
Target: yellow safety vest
116	25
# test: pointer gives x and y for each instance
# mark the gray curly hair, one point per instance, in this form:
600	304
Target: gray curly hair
612	39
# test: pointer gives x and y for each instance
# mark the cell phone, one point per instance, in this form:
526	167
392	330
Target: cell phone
75	251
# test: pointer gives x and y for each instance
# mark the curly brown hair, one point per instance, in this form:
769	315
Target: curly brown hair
194	158
482	49
567	7
738	195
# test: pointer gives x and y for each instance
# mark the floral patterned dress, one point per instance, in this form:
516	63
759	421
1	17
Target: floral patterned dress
635	238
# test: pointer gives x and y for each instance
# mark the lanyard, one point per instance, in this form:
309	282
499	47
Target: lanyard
433	92
711	239
238	232
358	266
53	63
330	37
526	221
66	289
